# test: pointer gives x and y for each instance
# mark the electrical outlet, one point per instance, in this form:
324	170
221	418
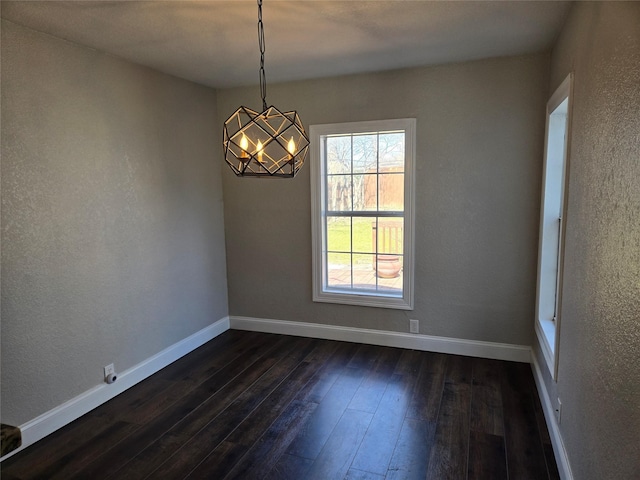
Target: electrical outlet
108	370
558	411
414	326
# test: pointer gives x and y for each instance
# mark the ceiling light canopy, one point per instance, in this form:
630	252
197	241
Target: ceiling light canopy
267	144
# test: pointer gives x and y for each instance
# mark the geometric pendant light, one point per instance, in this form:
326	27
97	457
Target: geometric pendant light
268	144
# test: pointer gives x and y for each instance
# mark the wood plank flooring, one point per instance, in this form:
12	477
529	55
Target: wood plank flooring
252	405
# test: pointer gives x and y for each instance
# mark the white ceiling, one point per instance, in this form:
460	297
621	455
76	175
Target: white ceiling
215	42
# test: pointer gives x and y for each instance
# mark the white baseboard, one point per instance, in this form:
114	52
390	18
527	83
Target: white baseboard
552	424
471	348
58	417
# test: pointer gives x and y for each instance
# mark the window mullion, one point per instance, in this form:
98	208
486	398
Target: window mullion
351	218
377	208
365	213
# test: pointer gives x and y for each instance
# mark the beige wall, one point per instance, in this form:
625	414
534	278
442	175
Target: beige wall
480	129
599	363
112	227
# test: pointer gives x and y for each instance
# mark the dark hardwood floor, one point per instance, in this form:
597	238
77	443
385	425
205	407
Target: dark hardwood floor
251	405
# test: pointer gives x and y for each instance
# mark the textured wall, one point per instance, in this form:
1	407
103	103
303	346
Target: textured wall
480	129
599	363
112	221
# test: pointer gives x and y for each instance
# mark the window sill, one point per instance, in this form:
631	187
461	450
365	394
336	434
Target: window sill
362	299
546	333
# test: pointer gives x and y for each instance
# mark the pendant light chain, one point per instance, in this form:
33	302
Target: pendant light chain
263	80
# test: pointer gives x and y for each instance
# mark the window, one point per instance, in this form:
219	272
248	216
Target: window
362	212
552	221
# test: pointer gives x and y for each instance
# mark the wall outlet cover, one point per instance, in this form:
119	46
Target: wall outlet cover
108	370
414	326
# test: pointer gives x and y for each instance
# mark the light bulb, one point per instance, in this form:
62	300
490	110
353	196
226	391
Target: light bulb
244	144
259	149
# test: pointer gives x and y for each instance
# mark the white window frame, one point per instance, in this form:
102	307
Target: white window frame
321	293
552	234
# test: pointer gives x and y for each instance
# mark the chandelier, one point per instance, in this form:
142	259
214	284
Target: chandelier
267	144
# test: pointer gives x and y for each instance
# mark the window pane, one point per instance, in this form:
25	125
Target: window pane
364	275
339	234
365	193
365	153
339	154
391	147
339	193
390	235
391	191
364	240
339	270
